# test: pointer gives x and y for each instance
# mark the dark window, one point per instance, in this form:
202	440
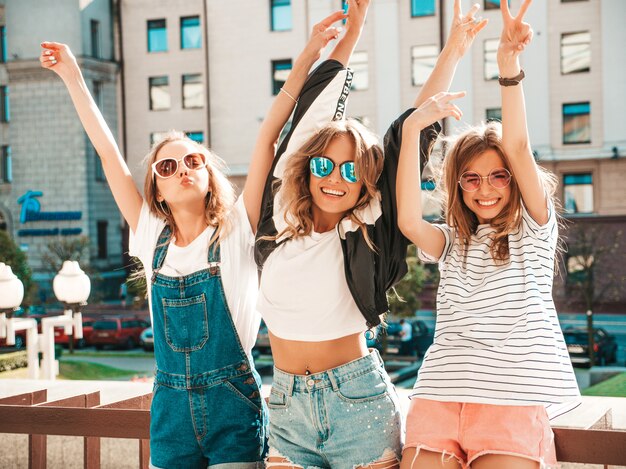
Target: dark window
575	52
494	114
196	135
193	92
157	36
422	8
190	33
6	165
3	44
578	193
97	94
280	72
105	325
95	39
577	123
102	239
281	15
159	93
5	113
100	177
493	4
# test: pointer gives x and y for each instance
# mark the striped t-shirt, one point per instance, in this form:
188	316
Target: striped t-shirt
498	339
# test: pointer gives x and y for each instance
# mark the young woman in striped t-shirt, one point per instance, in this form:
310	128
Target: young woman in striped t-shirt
498	358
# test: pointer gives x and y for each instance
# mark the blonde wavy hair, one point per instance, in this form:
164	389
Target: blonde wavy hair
453	157
368	159
219	200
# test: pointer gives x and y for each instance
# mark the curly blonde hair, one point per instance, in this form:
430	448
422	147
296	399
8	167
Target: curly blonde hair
220	197
448	166
296	196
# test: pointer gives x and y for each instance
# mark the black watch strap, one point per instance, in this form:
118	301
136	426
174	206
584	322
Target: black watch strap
512	81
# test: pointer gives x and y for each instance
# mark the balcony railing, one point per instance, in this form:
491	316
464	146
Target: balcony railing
82	415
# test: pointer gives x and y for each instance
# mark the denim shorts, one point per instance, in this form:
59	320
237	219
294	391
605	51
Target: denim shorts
341	418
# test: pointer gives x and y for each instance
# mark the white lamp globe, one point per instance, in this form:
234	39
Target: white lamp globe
11	288
71	284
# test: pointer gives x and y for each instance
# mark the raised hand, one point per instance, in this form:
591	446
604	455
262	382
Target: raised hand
59	58
357	11
516	35
323	33
464	29
434	109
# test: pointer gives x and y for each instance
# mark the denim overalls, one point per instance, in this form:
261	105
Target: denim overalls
206	408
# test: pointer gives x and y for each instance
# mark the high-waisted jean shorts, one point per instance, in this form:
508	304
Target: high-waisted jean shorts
341	418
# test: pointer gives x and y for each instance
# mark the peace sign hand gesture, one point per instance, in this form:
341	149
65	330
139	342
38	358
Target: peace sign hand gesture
516	35
464	28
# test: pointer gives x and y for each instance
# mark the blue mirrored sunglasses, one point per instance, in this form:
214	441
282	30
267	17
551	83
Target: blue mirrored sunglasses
322	166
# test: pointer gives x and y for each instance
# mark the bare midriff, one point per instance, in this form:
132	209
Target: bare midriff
298	357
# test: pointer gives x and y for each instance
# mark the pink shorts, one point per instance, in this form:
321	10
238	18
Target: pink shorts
468	431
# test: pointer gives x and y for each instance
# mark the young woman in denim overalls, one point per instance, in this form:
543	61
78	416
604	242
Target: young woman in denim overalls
196	246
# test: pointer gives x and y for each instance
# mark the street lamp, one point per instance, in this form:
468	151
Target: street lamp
11	296
72	287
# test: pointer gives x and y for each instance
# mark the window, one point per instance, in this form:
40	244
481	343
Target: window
6	165
97	94
579	268
577	123
490	48
423	60
196	135
95	39
159	93
102	239
494	114
344	7
280	72
156	137
431	208
281	15
190	33
422	8
3	44
360	80
157	36
578	193
493	4
5	113
193	92
99	174
575	52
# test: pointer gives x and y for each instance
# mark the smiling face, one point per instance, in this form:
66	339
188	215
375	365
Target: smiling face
332	195
488	201
185	186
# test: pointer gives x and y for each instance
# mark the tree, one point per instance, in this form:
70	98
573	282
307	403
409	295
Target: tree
11	255
75	248
406	299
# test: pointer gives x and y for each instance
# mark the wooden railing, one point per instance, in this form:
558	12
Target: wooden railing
82	415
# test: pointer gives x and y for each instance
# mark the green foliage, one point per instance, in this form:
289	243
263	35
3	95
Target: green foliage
406	300
11	255
11	361
91	371
136	283
612	387
73	248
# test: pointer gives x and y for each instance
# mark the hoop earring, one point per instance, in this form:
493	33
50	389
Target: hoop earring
163	207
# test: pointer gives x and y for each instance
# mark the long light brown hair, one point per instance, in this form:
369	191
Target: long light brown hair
220	197
296	196
463	149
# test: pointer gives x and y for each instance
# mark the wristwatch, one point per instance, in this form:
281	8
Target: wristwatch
512	81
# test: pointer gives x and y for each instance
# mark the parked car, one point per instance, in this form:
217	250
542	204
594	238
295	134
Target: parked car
146	339
117	331
262	345
604	346
421	339
20	341
60	337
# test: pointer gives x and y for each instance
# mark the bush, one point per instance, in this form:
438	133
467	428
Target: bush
11	361
11	255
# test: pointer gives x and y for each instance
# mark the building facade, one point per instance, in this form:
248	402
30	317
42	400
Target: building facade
52	188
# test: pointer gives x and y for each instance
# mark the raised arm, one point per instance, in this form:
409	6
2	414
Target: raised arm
59	59
463	30
516	35
285	101
409	182
357	11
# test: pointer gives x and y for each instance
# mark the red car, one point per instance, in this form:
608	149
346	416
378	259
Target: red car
119	332
20	341
61	338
